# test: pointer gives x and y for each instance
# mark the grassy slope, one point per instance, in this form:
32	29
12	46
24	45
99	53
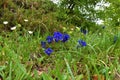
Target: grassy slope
22	58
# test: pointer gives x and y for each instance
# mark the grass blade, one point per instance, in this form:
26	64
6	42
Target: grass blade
69	69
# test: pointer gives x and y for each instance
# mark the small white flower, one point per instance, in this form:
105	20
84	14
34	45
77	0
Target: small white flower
30	32
13	28
5	22
99	22
26	20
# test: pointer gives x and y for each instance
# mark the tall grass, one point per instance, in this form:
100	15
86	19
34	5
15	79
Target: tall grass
22	57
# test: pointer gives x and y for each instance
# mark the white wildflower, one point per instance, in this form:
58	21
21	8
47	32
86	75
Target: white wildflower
26	20
5	22
13	28
30	32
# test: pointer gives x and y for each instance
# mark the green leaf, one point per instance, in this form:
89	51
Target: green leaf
69	69
2	68
46	76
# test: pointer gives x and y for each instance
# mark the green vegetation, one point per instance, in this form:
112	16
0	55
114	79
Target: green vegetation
88	52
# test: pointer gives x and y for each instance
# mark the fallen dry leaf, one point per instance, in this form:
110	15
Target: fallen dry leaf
96	77
38	72
117	76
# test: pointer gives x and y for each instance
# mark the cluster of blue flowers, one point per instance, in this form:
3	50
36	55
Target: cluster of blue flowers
57	36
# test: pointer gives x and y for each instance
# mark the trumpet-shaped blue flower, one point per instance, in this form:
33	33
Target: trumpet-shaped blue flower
57	36
82	43
65	37
49	39
43	44
84	31
48	51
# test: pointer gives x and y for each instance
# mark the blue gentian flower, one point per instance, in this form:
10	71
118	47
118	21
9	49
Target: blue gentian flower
57	36
82	43
49	39
84	31
65	37
43	44
48	51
